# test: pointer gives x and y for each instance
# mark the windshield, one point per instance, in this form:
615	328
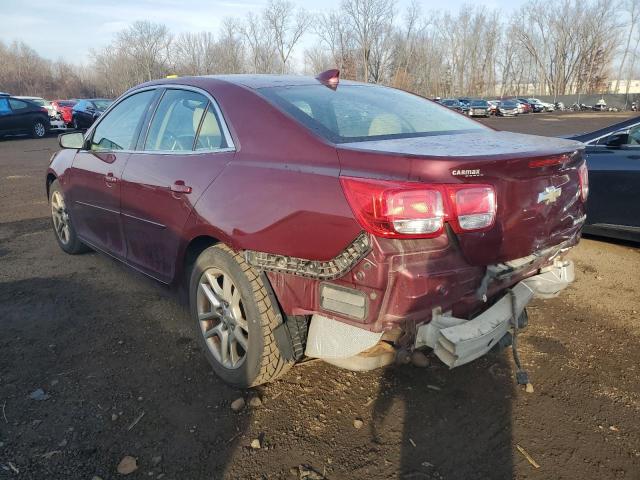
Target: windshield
353	113
450	103
102	104
479	103
66	103
508	104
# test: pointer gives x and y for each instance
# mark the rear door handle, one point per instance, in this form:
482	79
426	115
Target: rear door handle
179	187
110	179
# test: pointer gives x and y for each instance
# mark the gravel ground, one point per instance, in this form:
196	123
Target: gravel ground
121	374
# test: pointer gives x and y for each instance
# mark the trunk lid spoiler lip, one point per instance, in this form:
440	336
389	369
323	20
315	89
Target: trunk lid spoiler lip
467	146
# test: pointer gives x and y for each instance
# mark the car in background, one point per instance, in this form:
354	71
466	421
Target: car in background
65	109
464	105
479	108
508	108
55	119
613	161
524	105
408	226
536	105
493	106
87	111
452	103
20	117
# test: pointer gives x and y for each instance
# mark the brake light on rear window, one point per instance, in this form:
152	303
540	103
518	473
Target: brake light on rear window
414	210
583	175
475	207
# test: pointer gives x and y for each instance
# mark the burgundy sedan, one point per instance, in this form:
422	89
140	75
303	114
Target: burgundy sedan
311	216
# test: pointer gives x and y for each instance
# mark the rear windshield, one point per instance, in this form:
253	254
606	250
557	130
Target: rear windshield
66	103
479	103
38	101
508	104
353	113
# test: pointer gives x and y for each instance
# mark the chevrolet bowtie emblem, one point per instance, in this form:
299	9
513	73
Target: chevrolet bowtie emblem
549	195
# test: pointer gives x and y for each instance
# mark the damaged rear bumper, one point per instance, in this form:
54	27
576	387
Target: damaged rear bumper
458	341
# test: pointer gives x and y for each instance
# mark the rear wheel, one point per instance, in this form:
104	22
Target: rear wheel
62	226
38	129
234	319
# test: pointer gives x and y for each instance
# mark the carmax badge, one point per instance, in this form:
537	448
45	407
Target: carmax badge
549	195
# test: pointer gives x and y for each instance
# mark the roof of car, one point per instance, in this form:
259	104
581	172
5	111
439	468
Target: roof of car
255	81
24	97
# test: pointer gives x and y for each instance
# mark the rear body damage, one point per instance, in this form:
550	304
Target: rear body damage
346	221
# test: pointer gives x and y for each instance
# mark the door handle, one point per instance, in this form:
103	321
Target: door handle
110	179
179	187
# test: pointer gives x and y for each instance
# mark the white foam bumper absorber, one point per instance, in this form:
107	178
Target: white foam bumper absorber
329	338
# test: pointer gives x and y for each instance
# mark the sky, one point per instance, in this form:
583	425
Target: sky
68	29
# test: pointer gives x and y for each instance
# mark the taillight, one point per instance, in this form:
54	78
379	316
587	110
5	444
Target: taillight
413	210
395	209
475	207
583	174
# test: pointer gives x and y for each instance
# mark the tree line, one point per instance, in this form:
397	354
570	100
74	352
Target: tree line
552	47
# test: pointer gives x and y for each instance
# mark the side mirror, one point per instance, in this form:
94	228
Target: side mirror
73	140
617	139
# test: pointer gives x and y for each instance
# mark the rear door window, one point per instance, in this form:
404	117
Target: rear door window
177	120
210	135
18	104
119	128
4	107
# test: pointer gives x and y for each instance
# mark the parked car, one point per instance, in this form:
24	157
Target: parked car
493	106
19	117
87	111
524	105
388	223
464	105
55	120
452	103
613	160
508	108
65	108
600	106
479	108
536	105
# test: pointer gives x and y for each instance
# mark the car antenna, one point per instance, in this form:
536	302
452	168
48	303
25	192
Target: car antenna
329	78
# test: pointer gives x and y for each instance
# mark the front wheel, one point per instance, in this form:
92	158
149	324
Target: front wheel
235	319
61	220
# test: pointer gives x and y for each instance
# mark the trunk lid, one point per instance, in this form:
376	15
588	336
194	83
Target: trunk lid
536	181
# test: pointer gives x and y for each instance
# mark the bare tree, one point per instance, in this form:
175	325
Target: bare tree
286	25
370	19
633	8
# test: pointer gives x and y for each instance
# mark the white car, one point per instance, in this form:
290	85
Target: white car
548	107
55	119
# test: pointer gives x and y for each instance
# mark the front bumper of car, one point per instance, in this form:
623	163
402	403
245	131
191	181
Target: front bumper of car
57	124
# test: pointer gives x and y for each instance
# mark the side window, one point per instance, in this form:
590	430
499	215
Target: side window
18	104
176	121
4	107
117	129
634	135
210	136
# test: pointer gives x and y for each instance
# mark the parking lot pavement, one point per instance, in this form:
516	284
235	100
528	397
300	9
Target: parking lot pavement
109	348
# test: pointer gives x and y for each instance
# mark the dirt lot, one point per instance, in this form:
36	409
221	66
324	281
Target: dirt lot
109	348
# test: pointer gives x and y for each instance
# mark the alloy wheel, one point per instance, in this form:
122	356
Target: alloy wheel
222	318
60	218
39	129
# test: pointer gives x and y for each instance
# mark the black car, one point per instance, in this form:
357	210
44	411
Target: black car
613	160
20	117
452	103
478	108
86	111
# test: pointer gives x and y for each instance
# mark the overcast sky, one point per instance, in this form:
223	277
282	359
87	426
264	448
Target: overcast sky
68	29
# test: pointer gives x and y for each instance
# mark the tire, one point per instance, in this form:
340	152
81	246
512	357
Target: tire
238	336
63	229
38	129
